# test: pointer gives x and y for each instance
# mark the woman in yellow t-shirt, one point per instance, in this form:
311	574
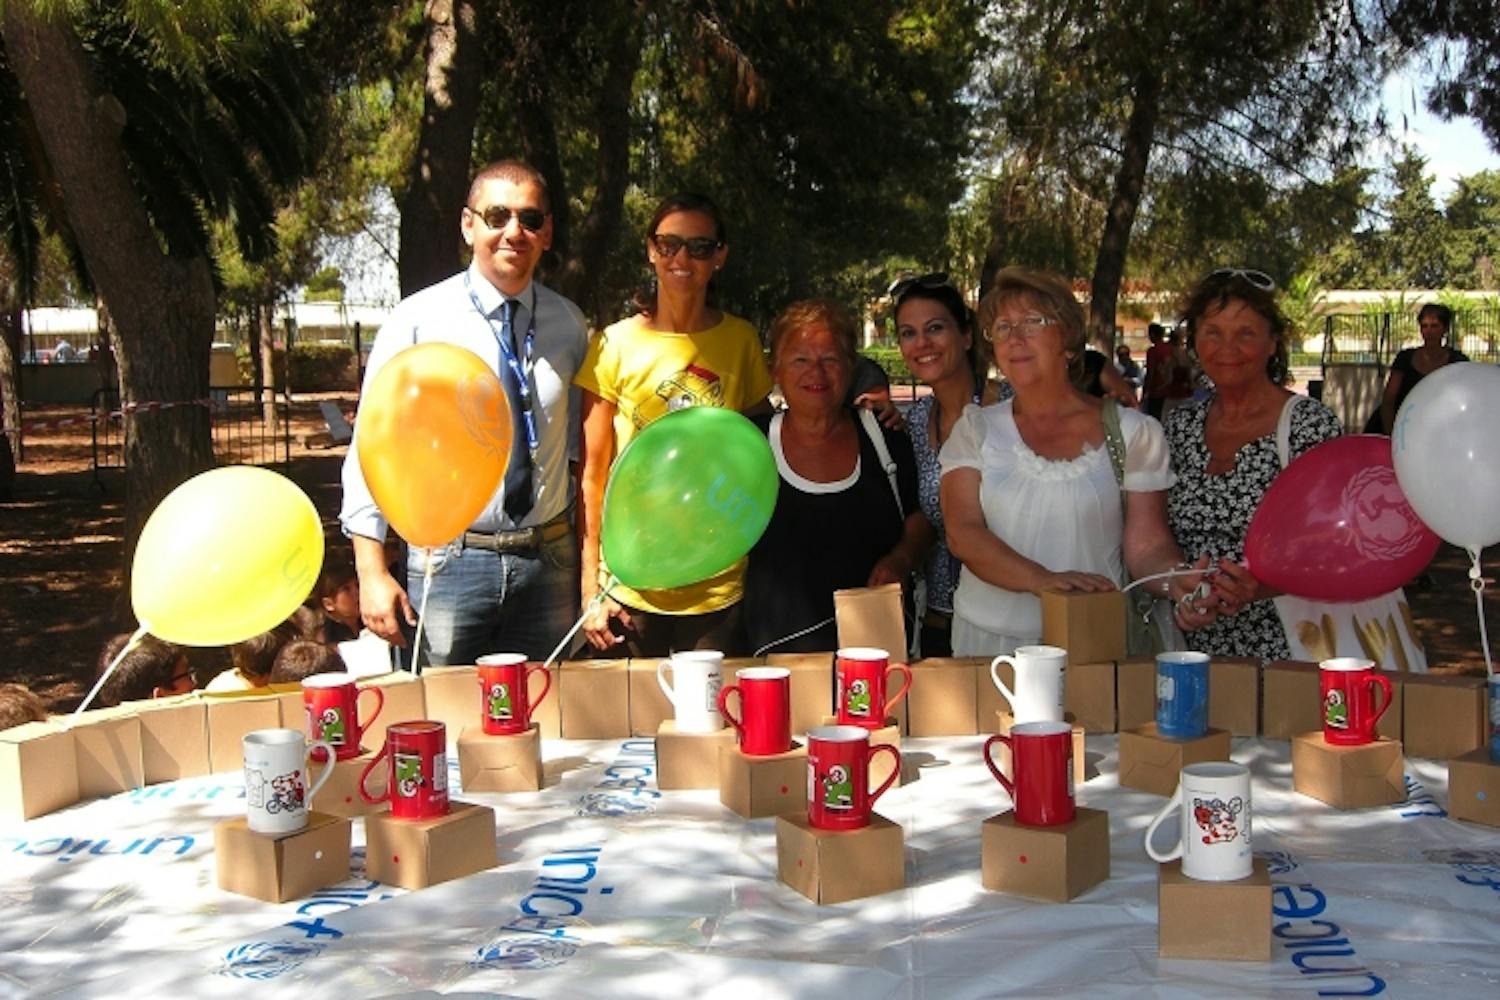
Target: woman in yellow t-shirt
678	351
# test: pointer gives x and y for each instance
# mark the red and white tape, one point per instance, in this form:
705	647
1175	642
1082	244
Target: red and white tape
57	425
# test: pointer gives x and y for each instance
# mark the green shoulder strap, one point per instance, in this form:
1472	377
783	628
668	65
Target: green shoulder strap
1114	439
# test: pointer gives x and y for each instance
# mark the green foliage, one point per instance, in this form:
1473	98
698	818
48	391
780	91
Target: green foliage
315	367
325	286
889	358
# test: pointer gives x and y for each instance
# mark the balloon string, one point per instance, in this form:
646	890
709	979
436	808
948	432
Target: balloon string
416	645
795	635
1477	583
598	599
1158	576
132	643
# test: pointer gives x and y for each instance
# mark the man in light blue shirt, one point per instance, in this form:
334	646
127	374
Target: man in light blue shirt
509	583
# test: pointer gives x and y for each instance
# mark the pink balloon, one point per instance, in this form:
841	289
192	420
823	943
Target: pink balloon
1335	525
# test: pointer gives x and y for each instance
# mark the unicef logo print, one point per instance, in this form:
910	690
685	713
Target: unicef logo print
267	959
525	953
608	804
1385	527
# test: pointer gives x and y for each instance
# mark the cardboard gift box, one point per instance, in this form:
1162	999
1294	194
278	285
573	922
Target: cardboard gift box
1443	716
1091	627
1153	763
1474	788
451	696
835	866
417	853
1291	703
291	705
403	703
943	700
230	717
812	686
340	796
1234	694
594	699
1356	777
1229	921
1135	692
1089	694
284	867
38	770
689	760
763	786
174	738
108	742
506	763
874	617
1055	863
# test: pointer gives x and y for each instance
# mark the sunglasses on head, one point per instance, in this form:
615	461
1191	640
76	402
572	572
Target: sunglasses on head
698	247
498	217
899	287
1259	279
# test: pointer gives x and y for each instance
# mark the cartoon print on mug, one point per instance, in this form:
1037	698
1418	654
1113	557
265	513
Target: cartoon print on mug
1217	818
408	774
1335	711
859	697
500	704
332	722
838	788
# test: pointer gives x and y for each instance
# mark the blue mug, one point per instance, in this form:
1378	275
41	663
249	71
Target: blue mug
1182	695
1495	719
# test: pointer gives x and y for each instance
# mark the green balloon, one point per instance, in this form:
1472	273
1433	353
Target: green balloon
687	497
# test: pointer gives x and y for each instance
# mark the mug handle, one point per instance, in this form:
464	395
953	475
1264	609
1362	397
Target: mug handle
895	700
365	774
1175	802
1384	683
379	704
989	762
890	779
326	773
547	687
1005	692
661	681
738	724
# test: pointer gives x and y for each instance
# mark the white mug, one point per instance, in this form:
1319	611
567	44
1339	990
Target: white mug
697	676
1038	696
276	770
1214	836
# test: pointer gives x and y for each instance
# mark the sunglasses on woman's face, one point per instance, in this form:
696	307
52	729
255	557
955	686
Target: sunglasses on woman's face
899	287
698	247
1259	279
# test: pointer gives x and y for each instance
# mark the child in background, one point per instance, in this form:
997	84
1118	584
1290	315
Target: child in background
252	660
153	669
337	594
302	658
307	622
19	706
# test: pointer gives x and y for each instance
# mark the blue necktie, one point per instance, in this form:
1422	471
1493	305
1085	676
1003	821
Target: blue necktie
518	472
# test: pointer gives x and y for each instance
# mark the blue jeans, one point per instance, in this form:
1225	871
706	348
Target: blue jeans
483	602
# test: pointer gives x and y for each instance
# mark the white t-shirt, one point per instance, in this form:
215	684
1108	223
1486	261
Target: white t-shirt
1065	515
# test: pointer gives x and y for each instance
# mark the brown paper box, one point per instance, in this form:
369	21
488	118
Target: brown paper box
1290	703
1055	863
944	693
500	763
1348	777
1089	694
1218	920
595	703
1391	721
812	686
290	866
988	701
763	786
416	853
1001	754
1474	788
835	866
1153	763
293	707
872	616
1234	694
1135	692
108	745
174	738
1443	717
451	696
340	797
230	717
689	760
1091	627
38	770
403	703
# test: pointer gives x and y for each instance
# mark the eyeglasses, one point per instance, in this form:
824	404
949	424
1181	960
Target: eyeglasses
899	287
698	247
498	217
1025	328
1259	279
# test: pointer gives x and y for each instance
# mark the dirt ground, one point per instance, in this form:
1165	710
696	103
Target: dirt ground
60	555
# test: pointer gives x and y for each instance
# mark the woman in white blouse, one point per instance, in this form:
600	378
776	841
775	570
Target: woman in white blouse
1031	499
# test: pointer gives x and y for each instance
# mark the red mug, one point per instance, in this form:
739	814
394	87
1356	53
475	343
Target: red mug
1349	714
332	703
504	695
418	785
862	673
838	776
765	726
1042	761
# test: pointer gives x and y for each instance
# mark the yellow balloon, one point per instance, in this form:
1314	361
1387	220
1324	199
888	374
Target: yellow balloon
225	556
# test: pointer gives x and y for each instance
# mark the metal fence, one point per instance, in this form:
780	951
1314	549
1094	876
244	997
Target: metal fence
1375	338
245	432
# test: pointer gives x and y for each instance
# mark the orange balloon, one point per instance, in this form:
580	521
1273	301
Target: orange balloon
434	437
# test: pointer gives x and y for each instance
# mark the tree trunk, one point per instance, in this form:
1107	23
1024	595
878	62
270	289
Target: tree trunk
163	306
265	364
1109	266
431	248
531	92
10	380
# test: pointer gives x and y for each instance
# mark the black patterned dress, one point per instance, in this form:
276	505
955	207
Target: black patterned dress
1211	514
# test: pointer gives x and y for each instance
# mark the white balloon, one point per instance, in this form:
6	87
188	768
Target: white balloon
1446	449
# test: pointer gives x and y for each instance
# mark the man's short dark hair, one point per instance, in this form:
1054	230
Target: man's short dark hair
515	172
150	665
302	658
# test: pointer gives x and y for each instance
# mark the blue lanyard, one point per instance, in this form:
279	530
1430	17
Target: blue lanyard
519	372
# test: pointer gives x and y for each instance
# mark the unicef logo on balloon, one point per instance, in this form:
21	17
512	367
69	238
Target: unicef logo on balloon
1385	526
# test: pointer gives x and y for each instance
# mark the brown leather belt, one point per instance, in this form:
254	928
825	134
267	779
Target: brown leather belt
526	540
